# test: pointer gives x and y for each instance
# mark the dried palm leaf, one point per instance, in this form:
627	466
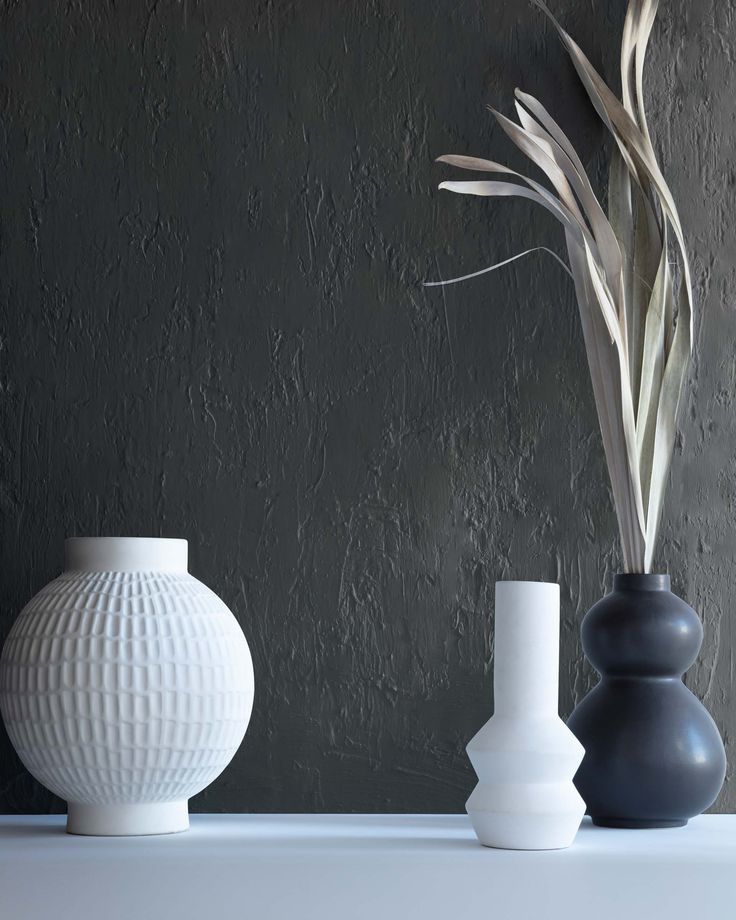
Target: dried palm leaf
637	340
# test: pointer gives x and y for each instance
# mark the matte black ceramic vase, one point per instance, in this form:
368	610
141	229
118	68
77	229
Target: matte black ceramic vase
653	755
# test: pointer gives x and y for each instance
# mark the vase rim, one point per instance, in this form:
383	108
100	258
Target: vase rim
641	581
125	554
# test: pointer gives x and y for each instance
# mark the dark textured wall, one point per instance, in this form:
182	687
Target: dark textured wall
215	221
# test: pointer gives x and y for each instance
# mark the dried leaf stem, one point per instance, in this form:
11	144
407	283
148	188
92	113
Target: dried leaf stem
638	341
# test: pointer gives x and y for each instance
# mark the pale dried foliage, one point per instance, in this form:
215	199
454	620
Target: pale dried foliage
638	339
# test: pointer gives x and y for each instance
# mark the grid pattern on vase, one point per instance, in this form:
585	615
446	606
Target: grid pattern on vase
126	687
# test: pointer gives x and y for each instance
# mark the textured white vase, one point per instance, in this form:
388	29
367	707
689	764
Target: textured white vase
126	686
525	756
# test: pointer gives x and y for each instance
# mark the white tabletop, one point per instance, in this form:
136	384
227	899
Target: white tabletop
351	867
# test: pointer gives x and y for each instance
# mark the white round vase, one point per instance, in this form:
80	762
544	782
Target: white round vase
526	756
126	686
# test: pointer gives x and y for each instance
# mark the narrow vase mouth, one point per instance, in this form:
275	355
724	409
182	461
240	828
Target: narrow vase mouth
125	554
637	581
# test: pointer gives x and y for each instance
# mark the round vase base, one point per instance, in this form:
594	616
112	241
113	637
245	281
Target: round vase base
640	823
127	820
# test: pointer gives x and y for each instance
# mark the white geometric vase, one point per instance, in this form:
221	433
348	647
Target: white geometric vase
525	756
126	686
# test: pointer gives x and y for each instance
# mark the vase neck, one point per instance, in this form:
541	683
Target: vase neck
526	649
125	554
633	581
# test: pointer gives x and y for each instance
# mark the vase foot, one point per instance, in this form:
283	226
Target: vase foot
127	820
638	823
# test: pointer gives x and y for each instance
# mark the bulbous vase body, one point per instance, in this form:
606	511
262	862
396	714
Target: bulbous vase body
525	756
126	686
653	755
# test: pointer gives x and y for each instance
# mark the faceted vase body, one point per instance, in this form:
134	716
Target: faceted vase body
653	755
126	686
525	756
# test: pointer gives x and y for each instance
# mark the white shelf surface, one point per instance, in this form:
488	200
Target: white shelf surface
278	867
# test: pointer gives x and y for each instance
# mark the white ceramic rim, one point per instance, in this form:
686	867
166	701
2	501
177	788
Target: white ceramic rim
125	554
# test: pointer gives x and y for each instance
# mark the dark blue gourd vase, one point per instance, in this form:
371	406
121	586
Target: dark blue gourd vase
653	755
